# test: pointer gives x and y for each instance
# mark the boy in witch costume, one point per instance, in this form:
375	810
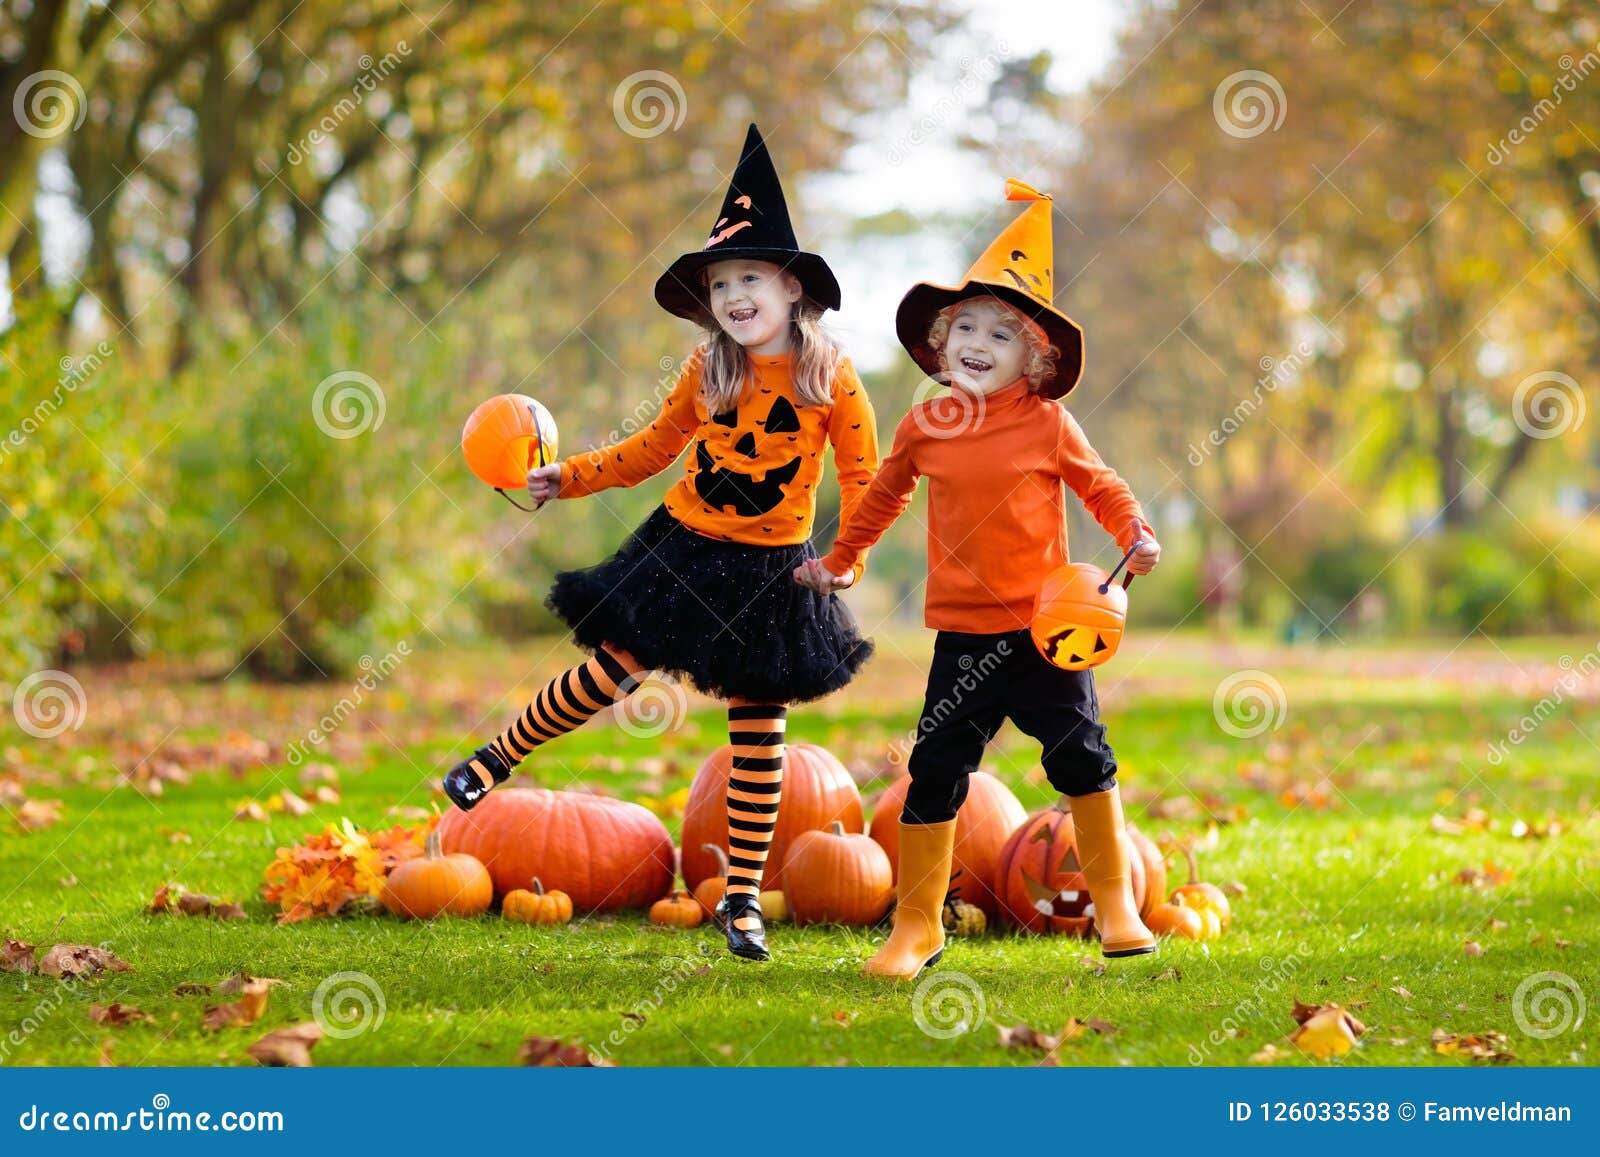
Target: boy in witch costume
998	452
701	588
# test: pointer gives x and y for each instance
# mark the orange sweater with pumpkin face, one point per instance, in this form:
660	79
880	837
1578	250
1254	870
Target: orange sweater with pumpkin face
754	471
996	506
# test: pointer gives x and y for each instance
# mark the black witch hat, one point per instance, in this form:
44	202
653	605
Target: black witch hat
753	224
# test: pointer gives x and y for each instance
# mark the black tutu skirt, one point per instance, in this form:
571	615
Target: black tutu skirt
726	616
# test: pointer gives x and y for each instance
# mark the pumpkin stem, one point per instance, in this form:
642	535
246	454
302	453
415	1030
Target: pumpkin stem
538	886
722	857
1188	854
836	827
430	847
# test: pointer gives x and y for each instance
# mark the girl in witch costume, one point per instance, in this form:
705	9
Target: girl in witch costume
702	587
995	529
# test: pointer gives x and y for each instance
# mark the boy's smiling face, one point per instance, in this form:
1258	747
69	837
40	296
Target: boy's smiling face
985	350
753	301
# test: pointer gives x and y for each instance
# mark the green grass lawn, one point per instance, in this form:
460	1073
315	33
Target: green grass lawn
1349	895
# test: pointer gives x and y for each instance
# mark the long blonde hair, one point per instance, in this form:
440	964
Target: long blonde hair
814	359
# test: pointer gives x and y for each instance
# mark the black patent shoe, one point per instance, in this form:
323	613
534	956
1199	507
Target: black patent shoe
462	783
736	914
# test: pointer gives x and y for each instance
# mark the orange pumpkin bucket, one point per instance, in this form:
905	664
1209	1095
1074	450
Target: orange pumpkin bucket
506	437
1078	620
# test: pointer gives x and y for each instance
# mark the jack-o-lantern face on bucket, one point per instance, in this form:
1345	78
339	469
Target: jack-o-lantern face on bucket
733	476
1078	621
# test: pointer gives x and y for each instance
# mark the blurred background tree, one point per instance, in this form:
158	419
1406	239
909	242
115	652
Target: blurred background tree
1317	268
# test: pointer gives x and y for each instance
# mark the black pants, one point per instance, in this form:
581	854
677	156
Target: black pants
975	684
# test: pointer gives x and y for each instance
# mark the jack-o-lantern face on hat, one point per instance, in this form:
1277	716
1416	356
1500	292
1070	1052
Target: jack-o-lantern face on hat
748	472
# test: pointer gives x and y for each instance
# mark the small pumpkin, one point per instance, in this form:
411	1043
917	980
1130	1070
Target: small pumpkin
679	910
1198	894
963	919
774	907
537	906
710	890
838	877
421	889
1175	920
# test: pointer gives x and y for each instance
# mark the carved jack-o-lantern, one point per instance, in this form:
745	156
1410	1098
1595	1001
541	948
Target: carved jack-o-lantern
744	462
1078	620
1041	883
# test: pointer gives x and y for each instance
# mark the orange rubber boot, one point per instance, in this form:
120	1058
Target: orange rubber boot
1103	849
917	941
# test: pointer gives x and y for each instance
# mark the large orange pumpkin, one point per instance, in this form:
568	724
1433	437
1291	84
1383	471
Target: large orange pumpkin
1040	879
838	877
986	820
816	791
604	853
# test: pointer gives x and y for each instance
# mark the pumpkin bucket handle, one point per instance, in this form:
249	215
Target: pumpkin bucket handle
542	462
1127	579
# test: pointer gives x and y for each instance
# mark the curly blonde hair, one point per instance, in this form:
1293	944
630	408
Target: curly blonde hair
1040	365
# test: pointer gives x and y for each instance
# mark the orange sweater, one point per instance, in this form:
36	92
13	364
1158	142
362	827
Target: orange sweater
996	511
754	472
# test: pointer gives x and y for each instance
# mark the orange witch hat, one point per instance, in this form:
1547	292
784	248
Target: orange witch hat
1016	268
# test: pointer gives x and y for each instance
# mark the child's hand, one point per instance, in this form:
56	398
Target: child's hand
544	483
810	574
1145	558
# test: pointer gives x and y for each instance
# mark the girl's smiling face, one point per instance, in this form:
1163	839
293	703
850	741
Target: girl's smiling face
985	349
753	302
